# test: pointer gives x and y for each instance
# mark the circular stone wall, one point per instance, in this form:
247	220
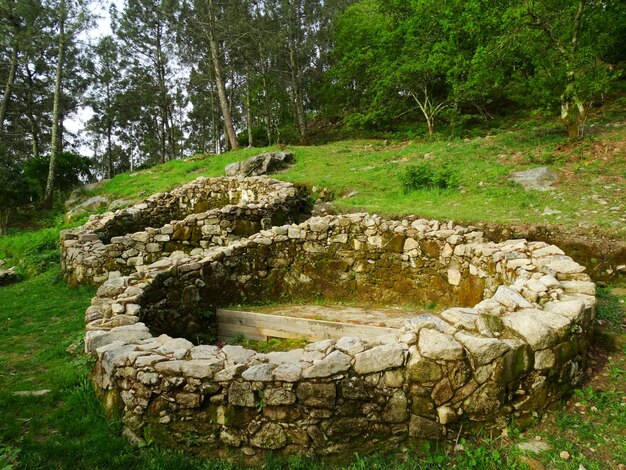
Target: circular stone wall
211	211
512	343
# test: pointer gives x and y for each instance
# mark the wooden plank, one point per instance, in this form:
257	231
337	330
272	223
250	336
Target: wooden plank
233	322
225	332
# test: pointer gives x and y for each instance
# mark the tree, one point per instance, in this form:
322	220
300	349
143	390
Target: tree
72	18
146	29
104	95
570	32
461	56
13	189
54	139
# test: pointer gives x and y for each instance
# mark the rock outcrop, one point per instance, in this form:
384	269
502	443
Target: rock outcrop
259	165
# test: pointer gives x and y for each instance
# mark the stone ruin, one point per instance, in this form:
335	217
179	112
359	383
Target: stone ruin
511	344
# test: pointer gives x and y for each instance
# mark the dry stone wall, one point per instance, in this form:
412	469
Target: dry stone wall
511	344
203	213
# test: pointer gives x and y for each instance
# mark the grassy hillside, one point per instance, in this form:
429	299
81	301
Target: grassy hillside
41	319
590	192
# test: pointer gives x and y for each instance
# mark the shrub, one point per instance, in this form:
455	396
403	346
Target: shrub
425	175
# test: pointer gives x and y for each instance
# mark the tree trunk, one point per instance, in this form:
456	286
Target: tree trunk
215	122
54	141
34	125
5	217
219	82
34	129
429	109
298	101
267	112
249	115
109	151
7	89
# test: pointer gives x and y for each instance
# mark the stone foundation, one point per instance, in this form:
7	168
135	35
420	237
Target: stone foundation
511	344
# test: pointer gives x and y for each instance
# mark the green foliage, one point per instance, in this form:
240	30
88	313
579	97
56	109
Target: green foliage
8	457
36	252
425	175
397	61
71	171
272	344
610	309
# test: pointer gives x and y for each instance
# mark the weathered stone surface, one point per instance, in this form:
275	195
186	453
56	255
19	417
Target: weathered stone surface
539	179
317	394
421	369
353	388
229	373
534	332
379	358
536	447
9	276
438	346
289	372
454	277
350	345
260	164
259	373
579	287
127	336
442	392
446	415
563	265
511	299
396	408
241	394
462	363
204	351
237	354
423	428
421	402
544	359
484	401
177	347
572	309
335	362
279	396
482	350
270	436
428	320
284	357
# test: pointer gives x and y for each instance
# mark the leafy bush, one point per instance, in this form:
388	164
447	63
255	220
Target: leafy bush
425	175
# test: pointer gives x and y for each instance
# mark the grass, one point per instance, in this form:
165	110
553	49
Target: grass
611	308
41	324
368	174
272	344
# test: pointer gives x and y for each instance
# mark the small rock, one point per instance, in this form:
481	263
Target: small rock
539	179
536	447
548	211
564	455
31	393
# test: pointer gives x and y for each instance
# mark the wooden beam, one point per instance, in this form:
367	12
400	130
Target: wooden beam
259	326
